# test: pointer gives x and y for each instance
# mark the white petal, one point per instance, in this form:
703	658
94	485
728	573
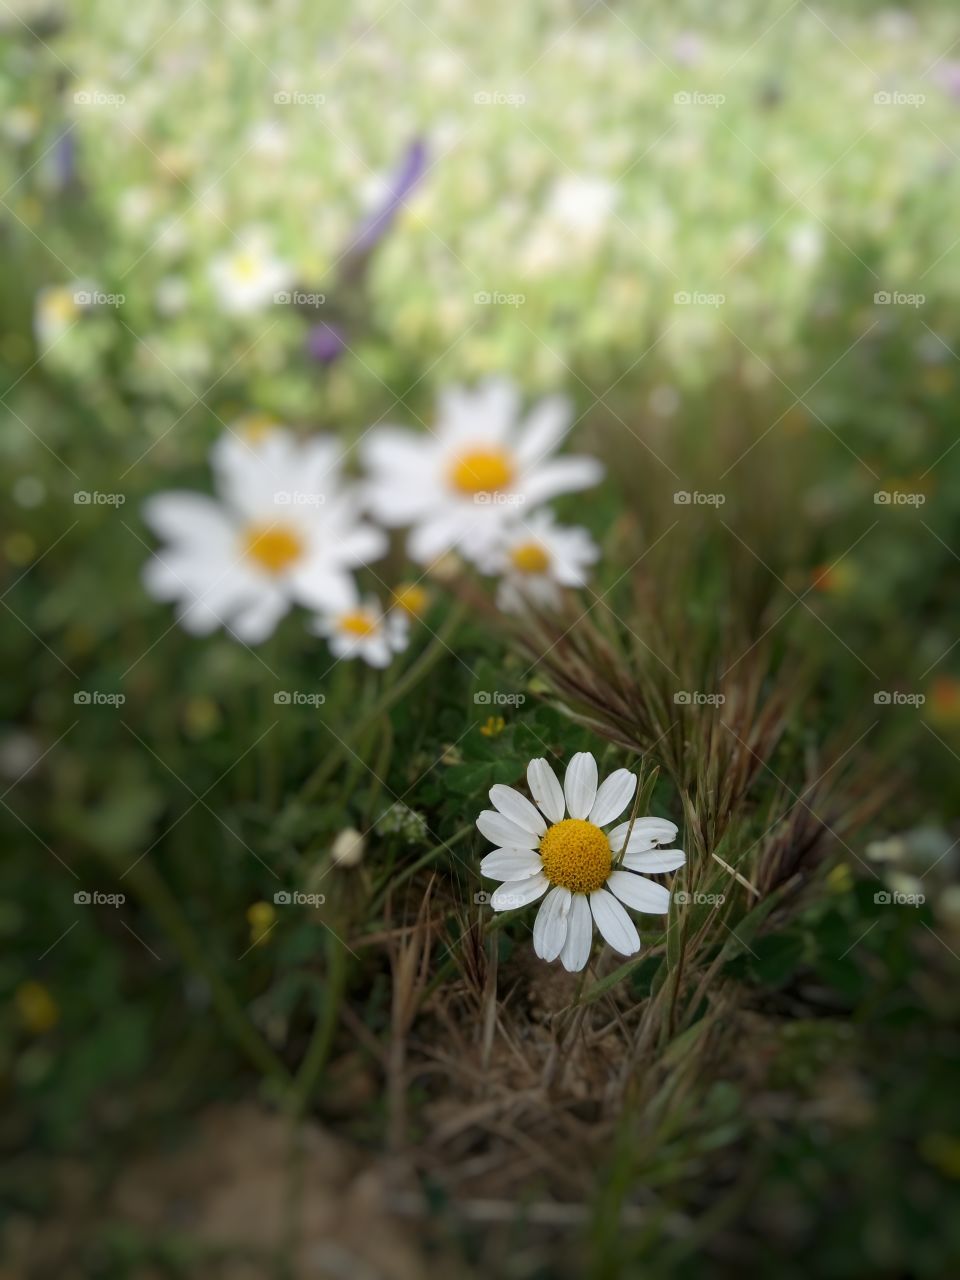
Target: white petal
546	790
615	925
655	860
318	584
545	427
258	621
580	784
576	948
182	518
517	893
613	797
639	893
550	926
504	833
517	808
647	834
511	864
562	475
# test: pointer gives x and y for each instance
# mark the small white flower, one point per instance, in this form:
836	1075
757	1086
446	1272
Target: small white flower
248	275
459	485
536	558
558	847
360	629
284	529
57	308
348	848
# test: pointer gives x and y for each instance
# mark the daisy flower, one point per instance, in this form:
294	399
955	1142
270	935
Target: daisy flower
459	485
283	529
360	629
246	278
536	559
57	308
558	847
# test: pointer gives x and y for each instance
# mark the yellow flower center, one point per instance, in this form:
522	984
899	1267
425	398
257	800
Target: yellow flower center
482	471
274	547
576	855
412	599
256	427
246	266
358	623
530	557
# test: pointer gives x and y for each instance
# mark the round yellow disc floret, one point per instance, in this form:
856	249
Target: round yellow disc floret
576	855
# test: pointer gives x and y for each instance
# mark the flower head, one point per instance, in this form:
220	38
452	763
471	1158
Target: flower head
558	847
535	558
247	276
284	529
461	484
360	629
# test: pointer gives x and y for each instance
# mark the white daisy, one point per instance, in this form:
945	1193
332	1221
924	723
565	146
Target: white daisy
247	277
363	630
558	847
283	529
536	558
459	485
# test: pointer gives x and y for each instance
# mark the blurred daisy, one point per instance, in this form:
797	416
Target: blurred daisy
461	484
536	559
283	529
558	847
362	630
57	308
246	278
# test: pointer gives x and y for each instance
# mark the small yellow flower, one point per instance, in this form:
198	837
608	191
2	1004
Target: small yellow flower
261	917
412	599
840	879
493	726
37	1008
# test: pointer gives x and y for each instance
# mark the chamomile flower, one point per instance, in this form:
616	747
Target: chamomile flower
247	276
283	529
360	629
536	558
460	484
558	847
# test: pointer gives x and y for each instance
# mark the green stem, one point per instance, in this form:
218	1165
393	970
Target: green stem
410	678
